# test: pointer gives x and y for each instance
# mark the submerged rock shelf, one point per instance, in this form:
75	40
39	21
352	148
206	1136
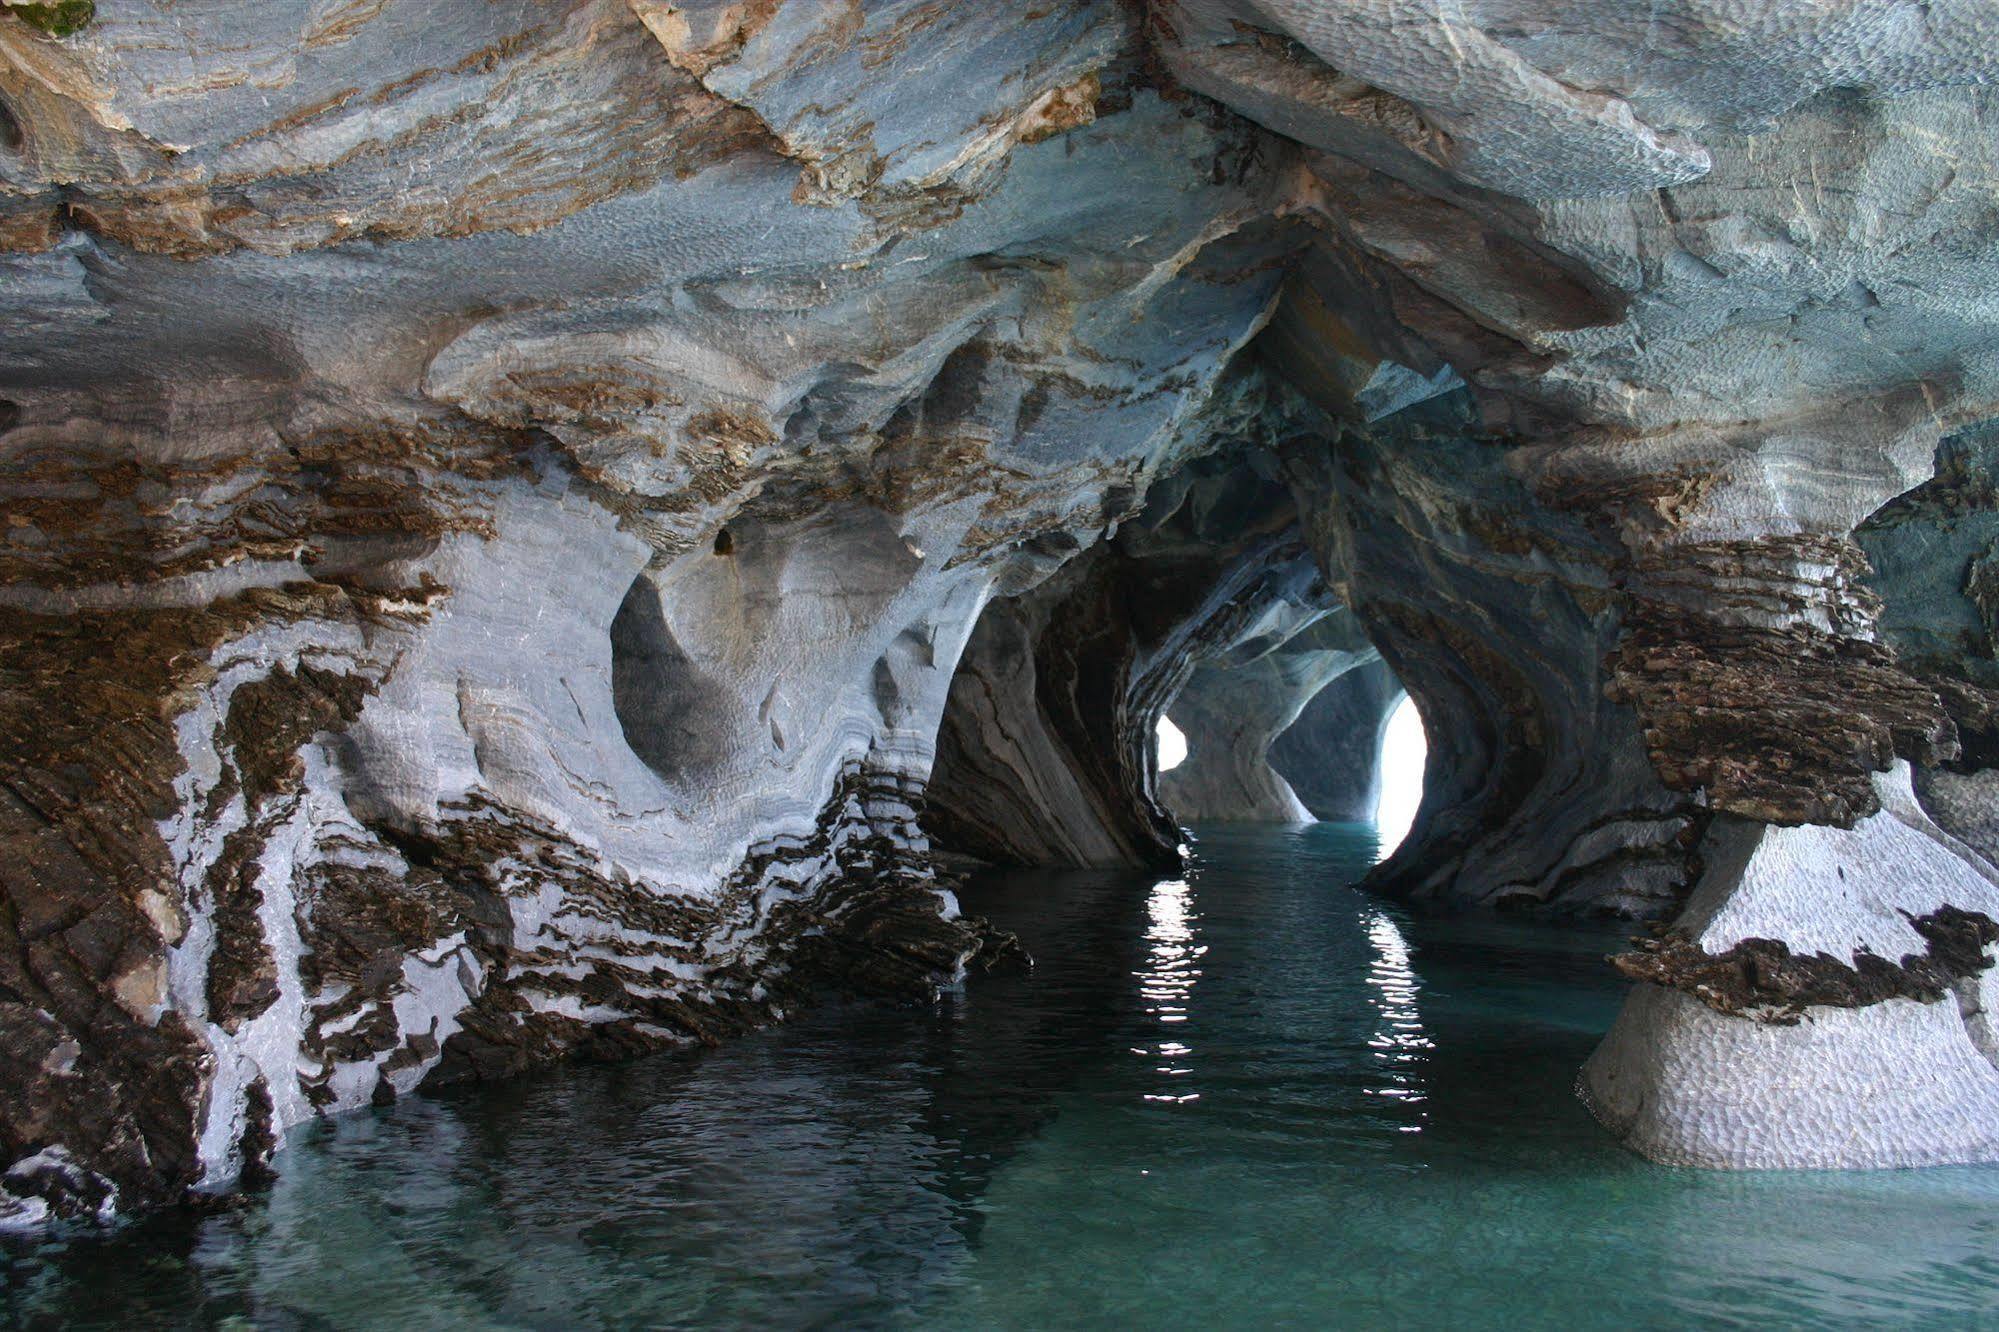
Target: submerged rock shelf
557	530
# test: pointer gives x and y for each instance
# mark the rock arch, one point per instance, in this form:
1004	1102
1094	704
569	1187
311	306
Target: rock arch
462	605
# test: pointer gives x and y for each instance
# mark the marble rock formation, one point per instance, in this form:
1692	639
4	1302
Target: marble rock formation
496	496
1715	279
1330	756
508	505
1046	750
1236	704
1932	554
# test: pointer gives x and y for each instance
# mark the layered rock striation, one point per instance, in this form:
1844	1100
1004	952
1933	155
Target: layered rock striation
523	523
496	499
1622	560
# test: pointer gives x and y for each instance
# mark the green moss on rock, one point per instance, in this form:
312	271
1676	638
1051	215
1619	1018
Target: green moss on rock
62	18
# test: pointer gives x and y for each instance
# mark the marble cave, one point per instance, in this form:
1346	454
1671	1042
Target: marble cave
627	553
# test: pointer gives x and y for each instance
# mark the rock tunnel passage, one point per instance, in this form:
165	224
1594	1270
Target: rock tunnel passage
467	606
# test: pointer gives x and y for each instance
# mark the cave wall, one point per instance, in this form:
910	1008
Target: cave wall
1236	704
1041	759
1331	755
1610	378
1930	554
1496	614
497	497
507	507
1047	752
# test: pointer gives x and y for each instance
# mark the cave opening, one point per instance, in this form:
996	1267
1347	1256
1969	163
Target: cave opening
1194	670
1169	745
1359	757
1403	757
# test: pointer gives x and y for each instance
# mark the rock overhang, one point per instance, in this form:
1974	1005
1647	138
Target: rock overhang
640	409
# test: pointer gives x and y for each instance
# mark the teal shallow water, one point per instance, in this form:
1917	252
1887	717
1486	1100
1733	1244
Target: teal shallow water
1248	1098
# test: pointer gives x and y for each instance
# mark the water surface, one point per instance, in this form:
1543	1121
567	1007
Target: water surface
1250	1097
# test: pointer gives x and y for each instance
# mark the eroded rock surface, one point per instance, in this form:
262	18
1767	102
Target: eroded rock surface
1046	754
496	498
1236	705
1622	560
507	506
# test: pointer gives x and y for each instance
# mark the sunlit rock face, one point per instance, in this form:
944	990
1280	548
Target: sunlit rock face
523	521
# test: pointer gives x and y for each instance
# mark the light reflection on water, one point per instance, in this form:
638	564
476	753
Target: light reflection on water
1399	1042
1167	981
999	1160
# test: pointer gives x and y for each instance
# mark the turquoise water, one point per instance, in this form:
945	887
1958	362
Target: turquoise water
1253	1097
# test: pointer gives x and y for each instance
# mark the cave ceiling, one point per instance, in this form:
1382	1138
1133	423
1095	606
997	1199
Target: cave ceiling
523	521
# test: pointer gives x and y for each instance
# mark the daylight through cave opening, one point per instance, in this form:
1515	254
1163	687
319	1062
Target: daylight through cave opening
1294	726
1404	756
466	604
